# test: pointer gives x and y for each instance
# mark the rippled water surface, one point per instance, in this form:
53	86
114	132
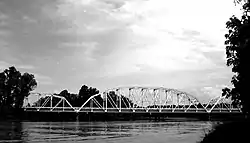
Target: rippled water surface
104	132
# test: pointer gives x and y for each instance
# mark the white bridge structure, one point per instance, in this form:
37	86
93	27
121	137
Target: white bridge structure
135	100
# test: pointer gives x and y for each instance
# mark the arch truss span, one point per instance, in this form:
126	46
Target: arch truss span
51	103
143	99
222	104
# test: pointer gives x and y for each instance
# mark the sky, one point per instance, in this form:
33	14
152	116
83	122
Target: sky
112	43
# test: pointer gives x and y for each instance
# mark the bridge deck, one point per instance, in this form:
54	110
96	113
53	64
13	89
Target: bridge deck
126	110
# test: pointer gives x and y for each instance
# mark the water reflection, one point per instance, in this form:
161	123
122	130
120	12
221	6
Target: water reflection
11	131
95	132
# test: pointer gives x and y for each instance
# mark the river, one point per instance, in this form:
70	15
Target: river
105	132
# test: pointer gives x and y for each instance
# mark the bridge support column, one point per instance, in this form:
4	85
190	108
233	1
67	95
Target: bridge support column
77	117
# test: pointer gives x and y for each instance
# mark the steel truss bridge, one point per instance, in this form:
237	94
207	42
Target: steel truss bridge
136	100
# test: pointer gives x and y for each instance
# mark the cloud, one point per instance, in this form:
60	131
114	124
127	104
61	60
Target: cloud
160	36
26	67
4	33
43	79
29	19
145	41
3	65
3	23
78	44
86	49
3	19
83	17
3	16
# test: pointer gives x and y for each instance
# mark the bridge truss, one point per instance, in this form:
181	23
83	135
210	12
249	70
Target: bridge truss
137	100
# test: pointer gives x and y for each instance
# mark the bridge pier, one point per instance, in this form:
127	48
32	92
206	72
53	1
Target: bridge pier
77	117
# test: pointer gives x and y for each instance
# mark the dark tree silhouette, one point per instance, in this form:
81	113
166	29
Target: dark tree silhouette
84	94
72	98
237	51
39	102
14	87
42	100
115	99
75	100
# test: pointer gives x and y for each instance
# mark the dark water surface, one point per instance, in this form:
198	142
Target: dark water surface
105	132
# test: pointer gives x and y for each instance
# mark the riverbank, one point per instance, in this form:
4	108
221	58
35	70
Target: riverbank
7	113
229	132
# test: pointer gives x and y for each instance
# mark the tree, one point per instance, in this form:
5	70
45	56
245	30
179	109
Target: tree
85	93
14	87
75	100
237	51
72	98
114	99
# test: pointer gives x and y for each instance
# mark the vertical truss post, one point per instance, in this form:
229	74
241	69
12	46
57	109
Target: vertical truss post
38	103
91	105
141	94
39	96
129	94
154	98
106	99
160	101
230	107
63	104
51	97
120	101
103	101
178	100
220	106
172	105
116	102
166	99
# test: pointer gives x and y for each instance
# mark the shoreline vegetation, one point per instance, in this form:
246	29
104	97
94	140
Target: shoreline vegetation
229	132
237	46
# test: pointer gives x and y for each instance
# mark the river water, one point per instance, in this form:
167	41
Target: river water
105	132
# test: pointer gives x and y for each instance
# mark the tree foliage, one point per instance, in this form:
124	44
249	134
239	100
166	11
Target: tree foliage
14	87
237	51
114	99
85	93
76	100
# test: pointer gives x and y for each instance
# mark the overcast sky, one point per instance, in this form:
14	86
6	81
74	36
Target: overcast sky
108	43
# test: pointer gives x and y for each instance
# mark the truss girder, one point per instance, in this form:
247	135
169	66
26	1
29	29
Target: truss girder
141	99
221	104
54	102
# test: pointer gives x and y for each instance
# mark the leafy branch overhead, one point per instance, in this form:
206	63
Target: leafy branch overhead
237	51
